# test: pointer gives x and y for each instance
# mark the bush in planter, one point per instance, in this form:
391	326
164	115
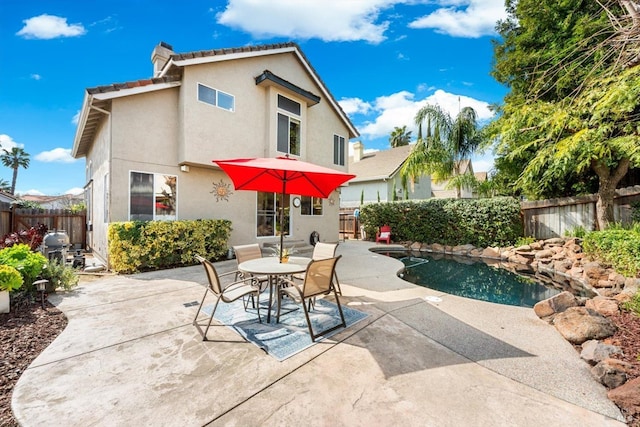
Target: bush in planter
28	263
10	278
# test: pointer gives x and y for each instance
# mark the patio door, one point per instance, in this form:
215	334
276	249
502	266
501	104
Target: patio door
268	214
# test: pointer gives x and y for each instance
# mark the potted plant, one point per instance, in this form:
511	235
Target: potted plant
10	280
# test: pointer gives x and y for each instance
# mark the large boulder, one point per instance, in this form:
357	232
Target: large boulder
580	324
556	304
627	396
611	372
594	351
603	305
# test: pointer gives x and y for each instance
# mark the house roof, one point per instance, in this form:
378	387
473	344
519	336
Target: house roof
7	197
97	100
379	164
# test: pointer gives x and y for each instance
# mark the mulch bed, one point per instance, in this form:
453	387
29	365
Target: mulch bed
24	333
28	330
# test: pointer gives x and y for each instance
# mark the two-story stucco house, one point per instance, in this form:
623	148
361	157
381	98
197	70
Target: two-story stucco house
149	144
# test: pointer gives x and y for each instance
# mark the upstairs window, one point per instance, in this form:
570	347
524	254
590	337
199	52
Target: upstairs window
288	126
338	150
216	98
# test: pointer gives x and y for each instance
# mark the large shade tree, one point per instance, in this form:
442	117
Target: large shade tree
446	143
14	159
574	103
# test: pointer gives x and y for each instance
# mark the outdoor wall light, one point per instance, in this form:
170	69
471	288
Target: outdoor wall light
41	286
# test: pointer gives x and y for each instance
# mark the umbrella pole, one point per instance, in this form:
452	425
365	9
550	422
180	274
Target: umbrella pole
284	185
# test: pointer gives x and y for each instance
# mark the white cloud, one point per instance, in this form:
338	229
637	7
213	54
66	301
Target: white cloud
7	143
36	76
58	155
76	118
399	109
464	18
354	106
328	20
49	27
75	191
31	192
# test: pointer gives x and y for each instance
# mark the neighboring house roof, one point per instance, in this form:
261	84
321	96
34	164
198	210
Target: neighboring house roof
54	202
7	197
96	100
481	176
379	165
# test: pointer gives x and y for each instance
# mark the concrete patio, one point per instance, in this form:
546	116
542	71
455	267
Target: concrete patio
130	356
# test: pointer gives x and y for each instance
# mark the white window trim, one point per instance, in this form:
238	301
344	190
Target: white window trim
290	115
154	209
217	91
344	147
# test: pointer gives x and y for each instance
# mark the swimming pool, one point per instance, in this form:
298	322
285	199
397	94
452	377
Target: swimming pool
472	278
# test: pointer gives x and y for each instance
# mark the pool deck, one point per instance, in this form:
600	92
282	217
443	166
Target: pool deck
130	356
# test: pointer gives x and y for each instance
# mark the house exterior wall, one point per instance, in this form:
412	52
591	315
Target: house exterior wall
98	165
160	131
350	195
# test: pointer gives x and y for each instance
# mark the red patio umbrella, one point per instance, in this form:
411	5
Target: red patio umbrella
283	175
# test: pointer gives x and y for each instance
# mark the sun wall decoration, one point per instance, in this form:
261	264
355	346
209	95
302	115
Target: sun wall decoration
222	191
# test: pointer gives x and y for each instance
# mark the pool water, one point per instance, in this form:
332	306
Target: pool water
471	278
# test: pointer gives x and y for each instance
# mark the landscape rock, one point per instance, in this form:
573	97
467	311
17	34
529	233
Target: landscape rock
579	324
594	351
627	396
544	254
603	305
436	247
610	372
490	253
416	246
556	304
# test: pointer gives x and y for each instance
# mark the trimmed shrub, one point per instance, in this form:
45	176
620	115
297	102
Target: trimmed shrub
10	278
480	222
151	245
28	263
616	246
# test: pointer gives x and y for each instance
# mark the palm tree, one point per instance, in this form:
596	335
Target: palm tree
14	159
446	144
400	137
4	185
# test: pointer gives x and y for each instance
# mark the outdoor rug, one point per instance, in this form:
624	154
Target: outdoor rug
290	336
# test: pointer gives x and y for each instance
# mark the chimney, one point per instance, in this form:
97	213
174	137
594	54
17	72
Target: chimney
160	56
358	151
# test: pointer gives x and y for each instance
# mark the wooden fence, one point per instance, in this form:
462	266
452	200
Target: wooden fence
74	224
544	219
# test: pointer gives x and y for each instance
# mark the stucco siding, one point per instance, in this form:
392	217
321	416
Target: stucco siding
98	166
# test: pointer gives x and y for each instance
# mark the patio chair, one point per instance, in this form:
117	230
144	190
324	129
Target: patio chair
384	235
318	280
246	253
226	293
323	251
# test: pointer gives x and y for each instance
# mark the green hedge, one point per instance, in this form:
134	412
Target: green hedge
616	246
151	245
480	222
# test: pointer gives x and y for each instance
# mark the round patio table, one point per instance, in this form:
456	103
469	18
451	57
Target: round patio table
272	268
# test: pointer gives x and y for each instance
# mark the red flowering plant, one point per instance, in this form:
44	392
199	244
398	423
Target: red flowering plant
32	237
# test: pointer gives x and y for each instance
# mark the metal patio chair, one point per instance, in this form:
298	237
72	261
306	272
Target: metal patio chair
318	280
246	253
226	293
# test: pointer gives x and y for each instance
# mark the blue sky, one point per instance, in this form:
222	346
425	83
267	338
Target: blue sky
381	59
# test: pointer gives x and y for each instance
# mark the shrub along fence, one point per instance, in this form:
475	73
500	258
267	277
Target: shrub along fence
152	245
480	222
